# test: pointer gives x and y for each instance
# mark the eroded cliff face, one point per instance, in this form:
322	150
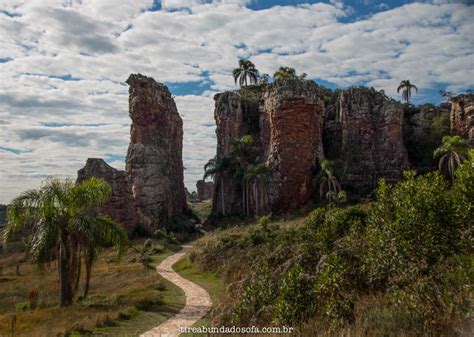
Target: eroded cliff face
154	163
291	136
119	206
371	139
462	116
235	116
299	125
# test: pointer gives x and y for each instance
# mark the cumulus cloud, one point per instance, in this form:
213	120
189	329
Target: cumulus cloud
64	65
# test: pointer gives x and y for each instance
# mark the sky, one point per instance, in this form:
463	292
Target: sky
63	66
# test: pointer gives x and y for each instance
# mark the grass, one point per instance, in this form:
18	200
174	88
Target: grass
209	281
202	208
125	298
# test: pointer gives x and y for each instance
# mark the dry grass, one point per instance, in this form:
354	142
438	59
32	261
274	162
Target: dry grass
119	290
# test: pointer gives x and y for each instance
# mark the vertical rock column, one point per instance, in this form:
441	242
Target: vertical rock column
462	116
291	135
119	206
154	162
371	139
235	117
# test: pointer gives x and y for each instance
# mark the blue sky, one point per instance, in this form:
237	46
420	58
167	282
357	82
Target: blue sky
63	66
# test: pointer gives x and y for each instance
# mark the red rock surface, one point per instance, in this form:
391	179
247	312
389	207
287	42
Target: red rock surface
235	117
371	139
290	122
119	206
462	116
204	189
154	163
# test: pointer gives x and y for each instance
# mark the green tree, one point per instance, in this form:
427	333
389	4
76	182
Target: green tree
406	86
287	73
245	73
255	183
451	152
64	225
328	184
216	168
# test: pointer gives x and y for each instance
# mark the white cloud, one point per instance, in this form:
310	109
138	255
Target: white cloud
98	44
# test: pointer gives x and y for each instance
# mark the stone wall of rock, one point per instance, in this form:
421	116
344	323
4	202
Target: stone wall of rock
423	129
204	189
235	116
154	163
462	116
119	206
291	135
371	139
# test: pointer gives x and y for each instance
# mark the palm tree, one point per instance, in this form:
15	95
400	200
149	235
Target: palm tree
328	183
217	167
452	151
287	73
61	216
256	178
246	72
406	86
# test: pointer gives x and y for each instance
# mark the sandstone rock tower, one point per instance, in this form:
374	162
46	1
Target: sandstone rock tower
291	135
119	206
368	127
462	116
154	164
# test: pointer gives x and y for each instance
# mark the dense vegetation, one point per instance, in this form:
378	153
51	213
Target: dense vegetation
401	265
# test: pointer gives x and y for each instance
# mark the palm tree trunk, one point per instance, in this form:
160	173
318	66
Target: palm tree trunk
243	197
222	195
78	276
248	199
88	276
64	274
256	198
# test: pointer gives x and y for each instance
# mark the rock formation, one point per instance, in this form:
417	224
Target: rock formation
204	189
119	206
371	139
290	122
462	116
236	115
154	163
423	129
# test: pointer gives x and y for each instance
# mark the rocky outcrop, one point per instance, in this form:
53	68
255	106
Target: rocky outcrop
291	135
204	189
423	129
119	206
154	163
371	140
3	215
462	116
236	115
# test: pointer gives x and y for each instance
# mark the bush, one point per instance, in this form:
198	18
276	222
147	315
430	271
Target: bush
295	302
411	226
332	223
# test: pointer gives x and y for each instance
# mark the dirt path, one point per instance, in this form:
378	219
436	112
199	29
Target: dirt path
198	302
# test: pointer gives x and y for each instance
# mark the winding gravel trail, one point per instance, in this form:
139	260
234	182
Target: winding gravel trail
198	301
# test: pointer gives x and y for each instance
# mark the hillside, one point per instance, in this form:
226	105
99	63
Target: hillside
398	266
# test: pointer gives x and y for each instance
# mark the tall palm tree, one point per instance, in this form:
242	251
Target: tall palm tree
245	73
287	73
328	183
61	216
255	179
452	151
217	167
406	86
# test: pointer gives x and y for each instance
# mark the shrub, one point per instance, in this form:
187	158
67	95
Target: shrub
411	226
333	291
295	301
